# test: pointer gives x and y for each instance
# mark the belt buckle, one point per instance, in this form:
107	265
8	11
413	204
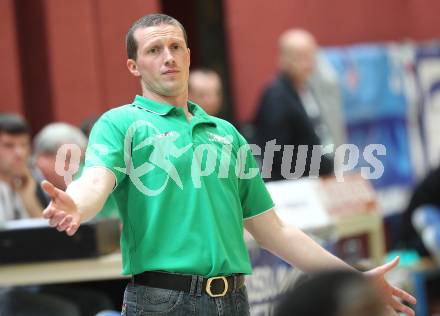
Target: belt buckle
208	286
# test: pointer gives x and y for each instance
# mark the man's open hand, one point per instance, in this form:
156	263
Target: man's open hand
62	211
390	293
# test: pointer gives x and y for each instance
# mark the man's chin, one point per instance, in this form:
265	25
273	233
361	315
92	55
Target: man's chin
18	171
173	91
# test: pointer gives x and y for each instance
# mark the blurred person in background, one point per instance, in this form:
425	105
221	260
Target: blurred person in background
332	293
87	124
205	88
426	221
290	113
20	195
19	199
23	301
46	145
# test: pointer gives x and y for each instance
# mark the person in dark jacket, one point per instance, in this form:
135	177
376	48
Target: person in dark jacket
284	117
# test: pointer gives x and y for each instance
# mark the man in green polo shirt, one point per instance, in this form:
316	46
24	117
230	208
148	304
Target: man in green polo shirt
186	185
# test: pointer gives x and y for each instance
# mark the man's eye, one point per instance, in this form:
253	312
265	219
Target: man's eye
175	46
153	50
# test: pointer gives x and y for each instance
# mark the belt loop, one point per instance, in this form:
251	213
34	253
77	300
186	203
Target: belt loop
234	277
199	285
132	279
193	287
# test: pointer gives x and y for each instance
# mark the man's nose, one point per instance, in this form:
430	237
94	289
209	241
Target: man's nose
169	57
20	152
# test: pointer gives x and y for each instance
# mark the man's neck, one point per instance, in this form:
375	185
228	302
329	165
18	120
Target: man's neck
298	85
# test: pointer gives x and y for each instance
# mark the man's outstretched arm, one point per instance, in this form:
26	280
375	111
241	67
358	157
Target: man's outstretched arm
295	247
83	199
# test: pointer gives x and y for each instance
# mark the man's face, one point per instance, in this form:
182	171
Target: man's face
206	92
46	164
301	62
15	151
162	60
54	167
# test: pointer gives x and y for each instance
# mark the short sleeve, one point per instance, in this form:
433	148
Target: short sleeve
254	196
106	147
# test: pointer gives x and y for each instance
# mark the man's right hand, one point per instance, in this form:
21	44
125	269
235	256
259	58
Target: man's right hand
62	211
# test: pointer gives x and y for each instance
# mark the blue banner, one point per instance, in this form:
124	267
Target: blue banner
375	108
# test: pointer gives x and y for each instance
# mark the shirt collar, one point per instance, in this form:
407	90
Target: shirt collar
199	115
160	108
152	106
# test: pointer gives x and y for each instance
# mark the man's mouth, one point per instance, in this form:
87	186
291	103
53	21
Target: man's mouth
171	71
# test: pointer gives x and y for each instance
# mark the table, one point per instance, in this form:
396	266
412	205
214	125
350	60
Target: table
101	268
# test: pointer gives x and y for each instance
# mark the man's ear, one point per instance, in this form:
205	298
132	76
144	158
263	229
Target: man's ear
132	67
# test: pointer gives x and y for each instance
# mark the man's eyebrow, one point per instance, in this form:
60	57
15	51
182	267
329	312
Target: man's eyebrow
158	41
176	39
152	42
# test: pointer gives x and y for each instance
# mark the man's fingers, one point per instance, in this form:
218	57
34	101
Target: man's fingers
49	188
72	229
391	311
62	226
404	295
55	193
60	201
49	211
67	223
57	218
388	266
401	307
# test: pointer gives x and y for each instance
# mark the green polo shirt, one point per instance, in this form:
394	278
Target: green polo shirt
183	188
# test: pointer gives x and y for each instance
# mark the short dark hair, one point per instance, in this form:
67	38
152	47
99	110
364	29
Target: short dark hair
147	21
11	123
327	293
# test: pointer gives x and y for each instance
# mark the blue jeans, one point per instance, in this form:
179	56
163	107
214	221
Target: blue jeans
140	300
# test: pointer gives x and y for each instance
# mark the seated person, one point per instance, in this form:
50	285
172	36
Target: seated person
46	145
18	200
19	191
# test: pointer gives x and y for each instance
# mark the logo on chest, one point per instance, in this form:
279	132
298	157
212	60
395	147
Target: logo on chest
225	140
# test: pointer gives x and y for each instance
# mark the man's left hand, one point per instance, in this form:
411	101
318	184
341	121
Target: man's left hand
391	293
